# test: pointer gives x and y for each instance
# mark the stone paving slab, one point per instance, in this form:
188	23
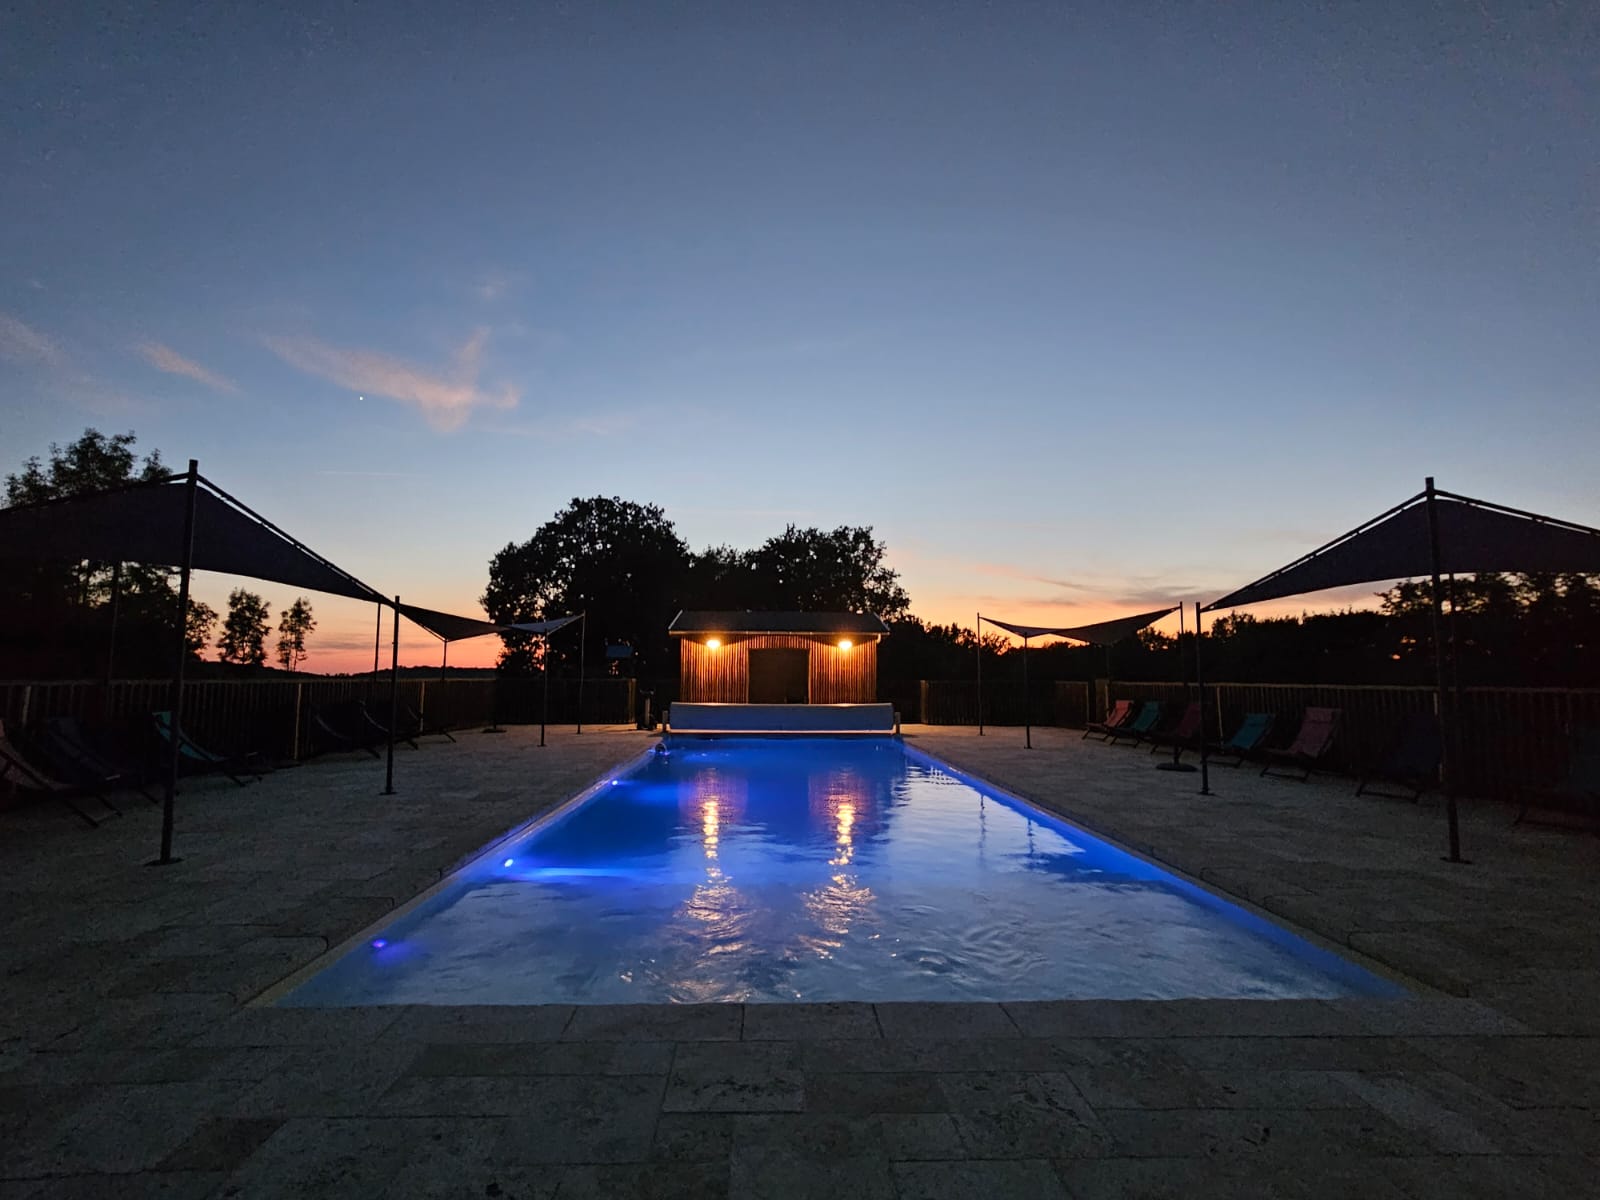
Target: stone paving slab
130	1064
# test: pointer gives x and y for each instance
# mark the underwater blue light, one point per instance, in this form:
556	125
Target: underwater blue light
508	862
378	943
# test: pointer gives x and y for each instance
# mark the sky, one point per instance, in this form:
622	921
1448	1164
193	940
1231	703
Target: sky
1084	308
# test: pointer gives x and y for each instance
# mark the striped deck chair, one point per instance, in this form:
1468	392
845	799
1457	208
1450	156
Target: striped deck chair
1143	723
1246	739
1319	729
19	772
1121	713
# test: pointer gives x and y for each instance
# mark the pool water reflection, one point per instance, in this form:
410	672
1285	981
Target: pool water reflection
818	869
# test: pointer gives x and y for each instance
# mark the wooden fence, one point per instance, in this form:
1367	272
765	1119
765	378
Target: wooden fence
272	716
955	702
1510	737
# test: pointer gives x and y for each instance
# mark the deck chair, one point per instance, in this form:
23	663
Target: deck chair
339	729
1246	739
1579	787
1121	713
19	772
1319	728
381	728
1185	734
1411	761
195	759
1147	718
411	719
65	745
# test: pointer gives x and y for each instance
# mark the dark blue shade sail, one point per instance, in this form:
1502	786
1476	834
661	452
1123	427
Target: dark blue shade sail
1474	536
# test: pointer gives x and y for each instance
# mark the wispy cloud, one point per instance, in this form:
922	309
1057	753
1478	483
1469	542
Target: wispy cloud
564	429
61	377
21	342
446	398
493	286
165	358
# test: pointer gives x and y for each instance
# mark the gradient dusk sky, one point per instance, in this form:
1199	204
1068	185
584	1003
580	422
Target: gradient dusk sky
1086	308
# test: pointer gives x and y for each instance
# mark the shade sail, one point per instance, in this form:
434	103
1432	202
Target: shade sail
830	624
1104	633
1474	536
544	627
144	524
447	626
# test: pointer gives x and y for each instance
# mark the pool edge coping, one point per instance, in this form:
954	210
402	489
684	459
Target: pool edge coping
268	997
1410	985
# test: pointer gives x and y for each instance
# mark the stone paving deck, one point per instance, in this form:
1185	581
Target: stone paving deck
132	1065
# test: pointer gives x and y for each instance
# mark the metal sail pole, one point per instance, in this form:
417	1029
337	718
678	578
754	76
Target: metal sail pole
1447	782
583	638
1177	763
979	630
544	708
116	605
1200	691
1027	712
169	799
377	639
394	699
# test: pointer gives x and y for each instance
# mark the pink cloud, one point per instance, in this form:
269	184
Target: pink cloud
445	398
20	342
165	358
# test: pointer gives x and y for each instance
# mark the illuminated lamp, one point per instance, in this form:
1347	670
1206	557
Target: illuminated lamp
713	643
844	643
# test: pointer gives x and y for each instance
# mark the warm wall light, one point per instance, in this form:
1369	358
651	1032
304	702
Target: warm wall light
844	643
713	643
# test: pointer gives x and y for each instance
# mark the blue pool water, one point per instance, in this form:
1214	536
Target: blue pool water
818	869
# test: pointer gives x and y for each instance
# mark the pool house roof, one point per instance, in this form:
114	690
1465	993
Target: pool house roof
828	623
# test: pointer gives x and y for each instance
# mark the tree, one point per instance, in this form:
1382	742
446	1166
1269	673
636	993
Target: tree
837	571
90	464
202	620
244	632
55	618
623	563
296	622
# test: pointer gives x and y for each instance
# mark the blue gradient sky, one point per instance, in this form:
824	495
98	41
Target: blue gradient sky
1084	309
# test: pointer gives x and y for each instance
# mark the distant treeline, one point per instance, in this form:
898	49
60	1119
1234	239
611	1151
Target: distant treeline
1513	631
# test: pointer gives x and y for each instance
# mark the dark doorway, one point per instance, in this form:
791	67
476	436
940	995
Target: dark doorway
780	677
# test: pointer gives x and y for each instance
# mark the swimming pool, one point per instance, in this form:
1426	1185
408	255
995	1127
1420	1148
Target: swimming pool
809	869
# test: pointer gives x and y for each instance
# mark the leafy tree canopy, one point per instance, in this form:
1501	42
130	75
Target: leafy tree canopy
625	564
55	618
296	623
244	630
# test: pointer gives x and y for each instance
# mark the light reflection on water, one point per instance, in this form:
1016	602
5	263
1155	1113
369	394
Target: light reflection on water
819	870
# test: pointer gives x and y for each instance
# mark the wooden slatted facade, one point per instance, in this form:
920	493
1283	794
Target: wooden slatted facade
720	673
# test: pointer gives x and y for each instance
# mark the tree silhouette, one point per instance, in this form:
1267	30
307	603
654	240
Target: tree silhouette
55	618
244	631
623	563
293	627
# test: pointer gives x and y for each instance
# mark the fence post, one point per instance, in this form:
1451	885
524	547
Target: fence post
294	733
922	701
